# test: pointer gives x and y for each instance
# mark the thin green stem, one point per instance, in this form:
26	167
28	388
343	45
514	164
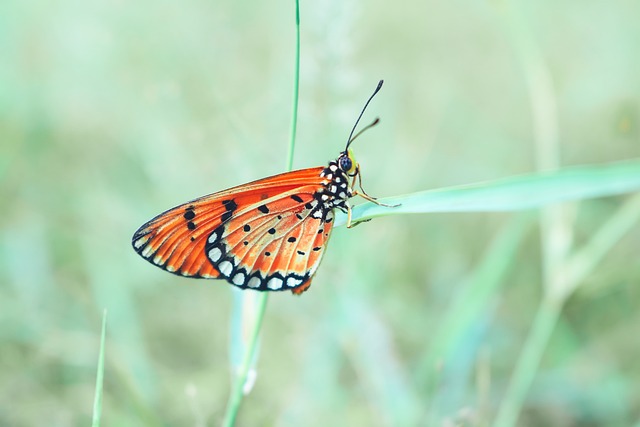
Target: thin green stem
296	86
255	321
237	392
97	401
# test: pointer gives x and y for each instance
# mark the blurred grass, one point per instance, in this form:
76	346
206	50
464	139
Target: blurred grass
111	112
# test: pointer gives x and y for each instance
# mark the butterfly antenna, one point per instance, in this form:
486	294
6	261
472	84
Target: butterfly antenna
361	131
375	122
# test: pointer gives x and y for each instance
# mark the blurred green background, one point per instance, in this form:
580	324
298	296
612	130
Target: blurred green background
113	111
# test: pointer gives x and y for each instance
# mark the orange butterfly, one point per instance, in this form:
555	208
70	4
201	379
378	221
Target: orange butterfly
267	235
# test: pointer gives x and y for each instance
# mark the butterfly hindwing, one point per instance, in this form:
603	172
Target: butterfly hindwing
274	246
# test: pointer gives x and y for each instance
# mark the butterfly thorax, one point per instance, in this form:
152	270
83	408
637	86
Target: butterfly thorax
335	190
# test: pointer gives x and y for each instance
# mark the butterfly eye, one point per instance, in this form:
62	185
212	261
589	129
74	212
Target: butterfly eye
346	163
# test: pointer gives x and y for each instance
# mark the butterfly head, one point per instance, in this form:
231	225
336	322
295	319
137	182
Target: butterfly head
347	163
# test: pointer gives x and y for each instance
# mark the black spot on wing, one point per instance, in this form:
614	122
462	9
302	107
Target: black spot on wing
230	205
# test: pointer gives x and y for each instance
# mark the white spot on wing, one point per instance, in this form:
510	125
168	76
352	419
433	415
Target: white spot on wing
292	282
141	241
275	283
213	237
238	279
146	252
215	254
254	282
225	268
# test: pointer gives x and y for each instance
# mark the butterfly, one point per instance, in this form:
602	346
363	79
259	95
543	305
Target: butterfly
266	235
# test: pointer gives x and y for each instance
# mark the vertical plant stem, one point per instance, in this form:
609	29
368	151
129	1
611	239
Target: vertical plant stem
260	300
296	86
527	365
237	390
97	401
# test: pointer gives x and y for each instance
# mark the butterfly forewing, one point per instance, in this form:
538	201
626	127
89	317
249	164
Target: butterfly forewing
266	235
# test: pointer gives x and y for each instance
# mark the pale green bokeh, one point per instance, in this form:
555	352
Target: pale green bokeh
112	111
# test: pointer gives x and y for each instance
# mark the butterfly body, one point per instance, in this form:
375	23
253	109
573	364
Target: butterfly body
267	235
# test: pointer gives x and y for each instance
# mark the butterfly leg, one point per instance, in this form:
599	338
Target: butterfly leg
363	193
351	224
348	214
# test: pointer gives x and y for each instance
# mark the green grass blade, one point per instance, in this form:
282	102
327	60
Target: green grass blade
245	306
253	321
513	193
296	87
582	263
97	402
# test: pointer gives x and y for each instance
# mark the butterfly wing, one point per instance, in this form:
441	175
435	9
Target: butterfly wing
269	234
273	246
